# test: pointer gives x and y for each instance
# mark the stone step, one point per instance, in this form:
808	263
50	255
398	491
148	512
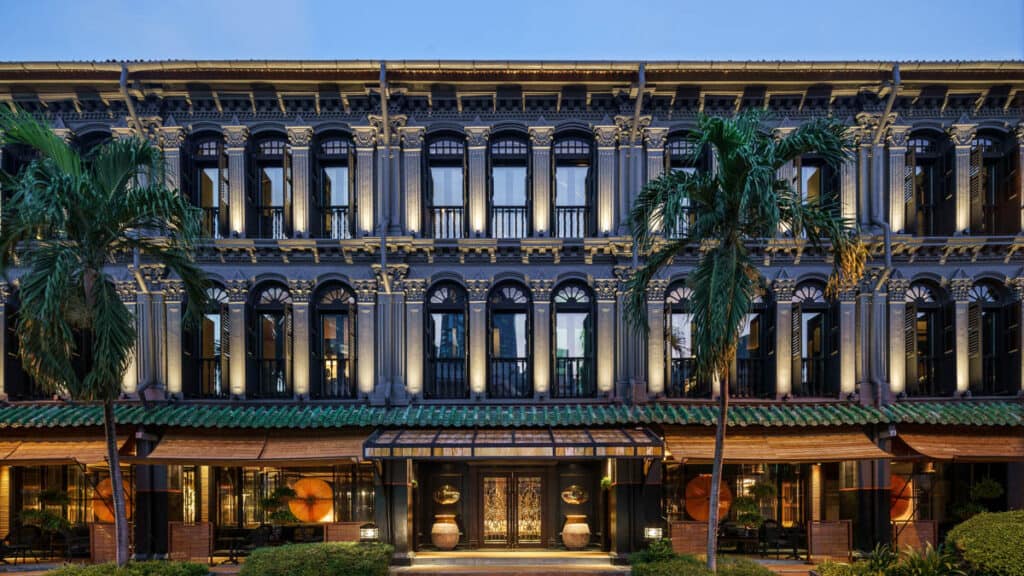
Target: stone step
520	570
513	559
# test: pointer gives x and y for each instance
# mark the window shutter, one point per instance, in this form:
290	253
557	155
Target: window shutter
223	191
976	173
796	349
910	346
225	343
286	181
909	195
974	344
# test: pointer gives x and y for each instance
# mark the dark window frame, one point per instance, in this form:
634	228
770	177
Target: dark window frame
518	371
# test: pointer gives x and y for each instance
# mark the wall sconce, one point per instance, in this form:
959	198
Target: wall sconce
653	533
369	533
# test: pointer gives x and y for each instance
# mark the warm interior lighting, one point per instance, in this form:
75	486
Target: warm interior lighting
369	533
653	532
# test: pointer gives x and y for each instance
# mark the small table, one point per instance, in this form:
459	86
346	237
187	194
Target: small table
235	548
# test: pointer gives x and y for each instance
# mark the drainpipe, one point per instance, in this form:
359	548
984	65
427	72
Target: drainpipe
385	173
128	100
641	84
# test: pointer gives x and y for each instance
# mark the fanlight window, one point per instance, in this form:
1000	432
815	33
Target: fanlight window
336	297
985	144
216	295
272	147
572	147
446	295
508	148
446	147
334	147
275	295
679	295
920	294
509	295
922	146
572	294
809	294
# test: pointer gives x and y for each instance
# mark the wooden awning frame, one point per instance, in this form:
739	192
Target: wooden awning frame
81	450
772	445
513	443
963	444
255	448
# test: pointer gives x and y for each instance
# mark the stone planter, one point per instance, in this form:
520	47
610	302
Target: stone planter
445	532
576	532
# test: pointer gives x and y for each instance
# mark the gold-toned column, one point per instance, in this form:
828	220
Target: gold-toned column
897	295
300	291
960	288
897	141
5	499
783	287
606	138
654	139
130	381
412	148
174	292
656	352
847	342
540	139
606	290
476	140
300	137
234	142
962	136
365	138
478	335
366	361
171	139
238	293
414	291
541	329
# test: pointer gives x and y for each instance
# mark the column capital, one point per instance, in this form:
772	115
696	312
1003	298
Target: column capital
415	288
5	292
541	289
960	289
127	291
394	276
1017	286
412	137
783	288
654	138
122	132
395	124
300	136
235	136
625	126
366	291
606	136
364	136
541	136
897	136
656	291
300	290
962	134
606	288
174	290
780	132
897	288
478	289
476	136
1019	132
849	295
237	289
869	124
172	137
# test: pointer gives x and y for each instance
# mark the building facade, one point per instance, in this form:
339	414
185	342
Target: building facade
416	309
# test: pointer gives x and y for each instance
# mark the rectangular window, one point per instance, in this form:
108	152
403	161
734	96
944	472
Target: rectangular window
335	180
811	182
272	186
211	333
682	335
334	328
508	335
571	185
272	336
209	187
447	189
509	185
449	334
571	334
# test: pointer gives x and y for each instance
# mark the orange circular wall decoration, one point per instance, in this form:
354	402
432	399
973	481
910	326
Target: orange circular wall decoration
313	501
698	498
103	502
899	499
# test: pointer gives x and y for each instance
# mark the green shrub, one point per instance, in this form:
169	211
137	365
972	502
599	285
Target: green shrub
927	562
678	566
836	569
134	569
656	551
327	559
741	567
992	544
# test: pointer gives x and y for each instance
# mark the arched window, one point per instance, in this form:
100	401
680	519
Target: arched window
86	144
929	342
18	385
928	187
510	185
682	351
207	356
446	342
995	207
335	208
573	197
750	377
334	343
446	192
815	343
683	153
271	342
993	349
269	188
574	342
205	180
509	344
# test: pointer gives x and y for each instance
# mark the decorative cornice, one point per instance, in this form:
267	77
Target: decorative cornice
412	137
476	136
848	295
897	289
656	291
783	288
654	138
606	136
606	288
396	274
1019	131
366	291
127	291
300	136
364	136
5	292
415	289
300	290
541	289
960	289
174	290
541	136
962	134
235	136
869	124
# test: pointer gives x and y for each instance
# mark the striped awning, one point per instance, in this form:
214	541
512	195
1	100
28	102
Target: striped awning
697	444
255	448
514	443
966	445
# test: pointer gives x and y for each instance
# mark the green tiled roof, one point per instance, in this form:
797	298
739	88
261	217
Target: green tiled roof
301	416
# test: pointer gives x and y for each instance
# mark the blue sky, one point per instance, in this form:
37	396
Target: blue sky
512	29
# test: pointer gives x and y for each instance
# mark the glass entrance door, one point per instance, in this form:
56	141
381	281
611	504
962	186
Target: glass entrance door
511	509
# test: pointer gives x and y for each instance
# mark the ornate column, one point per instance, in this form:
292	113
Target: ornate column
898	286
786	173
174	292
156	327
960	289
300	291
847	342
783	287
365	138
656	353
366	359
171	139
1020	180
300	137
962	136
476	140
392	333
238	293
630	345
654	138
605	137
864	170
540	139
897	140
234	142
478	335
541	327
412	147
130	381
414	290
606	290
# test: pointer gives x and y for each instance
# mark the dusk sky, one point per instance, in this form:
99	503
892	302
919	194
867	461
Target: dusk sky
525	29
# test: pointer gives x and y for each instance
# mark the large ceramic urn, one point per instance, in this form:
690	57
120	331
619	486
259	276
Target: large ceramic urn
445	532
576	532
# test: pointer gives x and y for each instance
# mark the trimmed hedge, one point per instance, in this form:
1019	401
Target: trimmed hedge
134	569
991	544
326	559
685	565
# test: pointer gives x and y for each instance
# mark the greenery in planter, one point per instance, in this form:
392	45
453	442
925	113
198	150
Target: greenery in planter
659	560
606	483
928	562
43	517
981	491
326	559
657	551
276	506
991	544
134	569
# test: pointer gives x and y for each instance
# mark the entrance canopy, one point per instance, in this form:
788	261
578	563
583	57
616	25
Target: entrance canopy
85	450
514	443
967	445
214	447
748	445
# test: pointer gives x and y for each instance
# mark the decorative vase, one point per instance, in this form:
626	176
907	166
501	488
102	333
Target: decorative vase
576	532
445	532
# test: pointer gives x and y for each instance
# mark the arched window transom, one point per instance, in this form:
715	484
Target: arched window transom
275	295
920	294
572	294
809	294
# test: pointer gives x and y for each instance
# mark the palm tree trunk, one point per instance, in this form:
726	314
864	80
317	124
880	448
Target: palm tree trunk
716	470
116	484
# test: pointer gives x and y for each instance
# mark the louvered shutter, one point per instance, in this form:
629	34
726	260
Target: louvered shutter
224	191
285	226
910	346
976	173
974	344
910	199
797	380
225	345
289	342
1011	216
834	357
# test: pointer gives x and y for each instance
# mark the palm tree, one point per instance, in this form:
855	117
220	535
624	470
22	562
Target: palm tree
68	218
742	199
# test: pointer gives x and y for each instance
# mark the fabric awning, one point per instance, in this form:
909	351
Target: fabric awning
254	448
87	451
514	443
967	445
697	444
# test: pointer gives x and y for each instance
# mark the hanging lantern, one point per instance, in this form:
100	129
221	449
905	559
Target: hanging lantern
698	498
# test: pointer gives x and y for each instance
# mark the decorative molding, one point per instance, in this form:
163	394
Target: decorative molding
656	291
606	136
476	136
542	136
606	288
412	137
780	132
300	290
869	124
395	124
897	288
366	291
172	137
235	136
396	274
541	289
783	288
415	289
1019	131
127	291
1017	287
849	295
960	289
478	290
654	138
962	134
364	136
897	136
5	292
174	290
237	289
301	136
